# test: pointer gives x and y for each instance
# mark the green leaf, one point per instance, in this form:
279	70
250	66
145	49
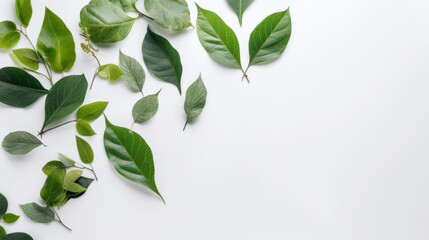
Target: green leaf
68	162
92	111
171	14
64	98
20	143
218	39
134	74
105	21
18	88
24	11
145	108
84	128
10	218
53	166
26	57
126	5
3	205
56	44
239	7
53	191
162	59
83	182
110	72
2	232
18	236
130	155
38	213
69	182
196	96
270	38
9	36
85	151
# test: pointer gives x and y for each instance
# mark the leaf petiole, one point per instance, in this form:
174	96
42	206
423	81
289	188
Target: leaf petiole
52	128
59	219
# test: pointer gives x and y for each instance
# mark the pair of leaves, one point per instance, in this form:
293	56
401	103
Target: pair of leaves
239	6
130	155
18	88
195	101
267	41
4	215
87	114
9	36
20	143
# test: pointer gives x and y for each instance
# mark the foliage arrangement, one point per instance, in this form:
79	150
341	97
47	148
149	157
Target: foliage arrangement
9	218
107	22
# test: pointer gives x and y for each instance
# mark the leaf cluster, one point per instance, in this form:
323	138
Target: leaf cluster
9	218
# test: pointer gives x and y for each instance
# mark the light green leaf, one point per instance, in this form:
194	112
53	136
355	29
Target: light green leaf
145	108
162	59
134	74
196	96
54	165
239	7
106	21
110	72
130	155
218	39
38	213
171	14
10	218
127	5
270	38
92	111
64	98
3	205
20	143
18	236
56	44
84	128
26	57
2	232
85	151
68	162
9	36
24	11
53	191
70	179
18	88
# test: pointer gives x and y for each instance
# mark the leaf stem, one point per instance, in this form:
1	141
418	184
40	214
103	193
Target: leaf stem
96	70
87	168
245	74
142	15
52	128
59	219
186	124
93	171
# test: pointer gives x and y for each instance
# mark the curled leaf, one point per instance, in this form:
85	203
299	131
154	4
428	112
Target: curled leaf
110	72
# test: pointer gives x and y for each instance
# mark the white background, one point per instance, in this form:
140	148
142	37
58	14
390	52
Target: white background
329	142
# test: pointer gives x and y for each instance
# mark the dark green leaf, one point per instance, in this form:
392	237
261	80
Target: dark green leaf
92	111
38	213
85	151
145	108
195	100
64	98
52	166
26	57
20	143
105	21
162	59
10	218
8	35
134	74
110	72
70	179
169	14
18	236
239	7
18	88
218	39
270	38
84	128
130	155
53	191
2	232
3	205
24	11
55	43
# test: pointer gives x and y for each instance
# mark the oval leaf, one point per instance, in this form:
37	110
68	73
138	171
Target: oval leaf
85	151
130	155
162	59
2	232
3	205
52	166
171	14
26	58
10	218
92	111
38	213
218	39
145	108
18	88
134	74
64	98
239	7
53	191
24	11
196	96
110	72
105	21
270	38
18	236
84	128
20	143
55	43
9	36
